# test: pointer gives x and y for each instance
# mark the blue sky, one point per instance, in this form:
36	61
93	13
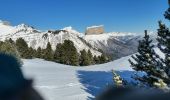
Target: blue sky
115	15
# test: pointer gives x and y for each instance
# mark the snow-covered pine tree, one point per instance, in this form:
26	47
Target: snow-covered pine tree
146	60
164	41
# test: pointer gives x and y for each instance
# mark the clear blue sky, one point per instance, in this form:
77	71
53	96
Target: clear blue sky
115	15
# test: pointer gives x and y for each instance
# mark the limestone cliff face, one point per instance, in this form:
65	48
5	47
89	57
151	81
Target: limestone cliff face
94	30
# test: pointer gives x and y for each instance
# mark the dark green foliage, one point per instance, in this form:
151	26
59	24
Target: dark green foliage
167	13
58	53
96	60
84	58
11	41
66	53
38	53
148	61
164	45
31	52
102	59
70	53
48	52
90	57
157	68
164	42
22	48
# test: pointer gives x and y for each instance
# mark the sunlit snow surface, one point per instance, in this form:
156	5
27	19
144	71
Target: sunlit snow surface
61	82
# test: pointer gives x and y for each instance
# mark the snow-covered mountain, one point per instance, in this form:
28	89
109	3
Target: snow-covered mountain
36	38
119	44
116	44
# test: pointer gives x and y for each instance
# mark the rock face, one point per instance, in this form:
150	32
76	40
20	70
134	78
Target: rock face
94	30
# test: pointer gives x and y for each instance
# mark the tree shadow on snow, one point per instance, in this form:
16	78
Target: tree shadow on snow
95	82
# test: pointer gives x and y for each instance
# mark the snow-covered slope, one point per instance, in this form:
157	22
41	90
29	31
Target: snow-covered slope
117	44
113	44
61	82
36	38
5	29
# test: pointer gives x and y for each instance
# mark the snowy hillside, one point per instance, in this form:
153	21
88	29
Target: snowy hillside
62	82
36	39
117	44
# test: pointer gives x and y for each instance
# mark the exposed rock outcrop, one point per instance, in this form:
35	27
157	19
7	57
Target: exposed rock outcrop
95	30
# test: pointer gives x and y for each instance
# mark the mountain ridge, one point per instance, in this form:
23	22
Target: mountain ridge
110	43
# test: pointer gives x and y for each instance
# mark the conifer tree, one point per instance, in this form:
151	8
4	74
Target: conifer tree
102	59
38	52
11	41
48	52
58	53
164	41
167	13
22	48
31	52
70	54
90	57
96	60
66	53
148	61
84	58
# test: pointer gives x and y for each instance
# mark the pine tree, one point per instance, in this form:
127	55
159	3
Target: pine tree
66	53
31	52
102	59
11	41
38	53
164	41
22	48
48	52
167	13
148	61
96	60
70	54
90	57
84	59
58	53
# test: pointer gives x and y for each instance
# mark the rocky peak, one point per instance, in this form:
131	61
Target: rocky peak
95	30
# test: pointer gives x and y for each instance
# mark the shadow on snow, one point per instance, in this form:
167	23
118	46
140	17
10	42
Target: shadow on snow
95	82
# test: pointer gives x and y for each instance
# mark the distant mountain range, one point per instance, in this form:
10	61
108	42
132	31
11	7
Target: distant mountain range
113	43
